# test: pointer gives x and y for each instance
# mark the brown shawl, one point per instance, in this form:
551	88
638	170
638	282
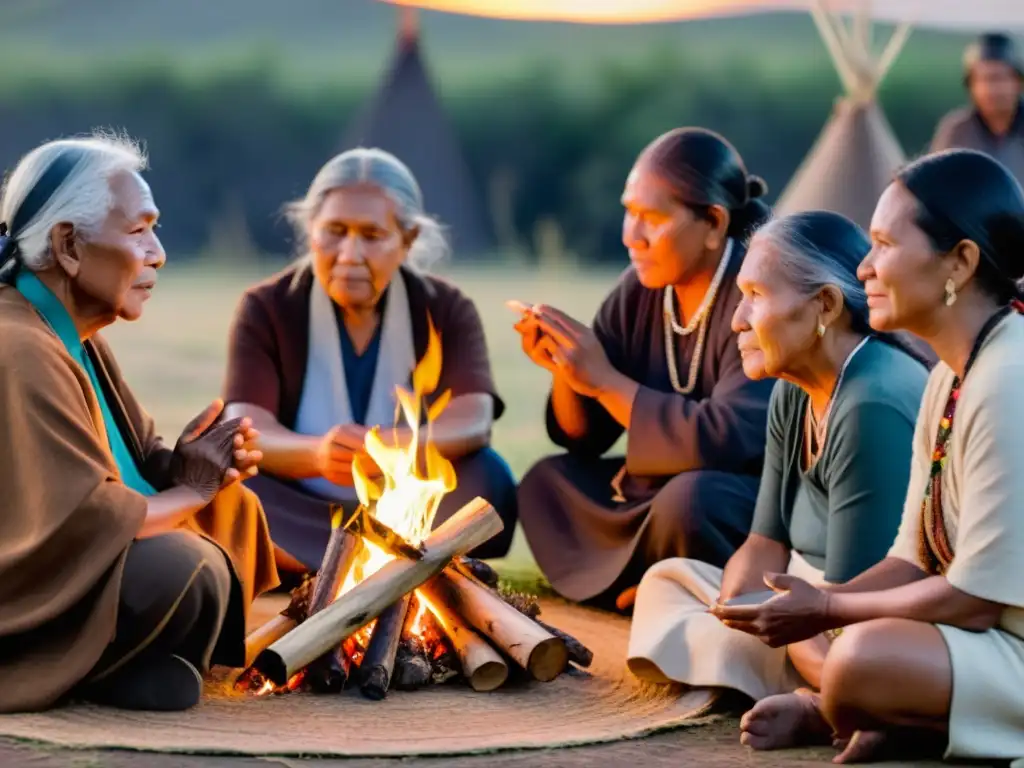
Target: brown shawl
66	520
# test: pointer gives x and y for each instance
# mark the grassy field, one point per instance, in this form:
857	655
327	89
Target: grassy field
174	356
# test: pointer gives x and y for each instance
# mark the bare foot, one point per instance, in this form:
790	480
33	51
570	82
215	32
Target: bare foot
786	720
862	747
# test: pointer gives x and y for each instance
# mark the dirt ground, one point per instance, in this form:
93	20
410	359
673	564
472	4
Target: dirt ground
711	746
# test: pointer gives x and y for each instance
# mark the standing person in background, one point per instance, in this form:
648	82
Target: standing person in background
994	123
660	363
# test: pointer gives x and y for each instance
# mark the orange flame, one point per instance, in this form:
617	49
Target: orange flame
402	480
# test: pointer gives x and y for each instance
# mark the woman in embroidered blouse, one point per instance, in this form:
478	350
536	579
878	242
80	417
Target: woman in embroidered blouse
317	351
933	636
837	460
126	567
661	364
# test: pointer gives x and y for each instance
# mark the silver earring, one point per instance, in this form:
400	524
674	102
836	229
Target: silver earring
950	292
821	330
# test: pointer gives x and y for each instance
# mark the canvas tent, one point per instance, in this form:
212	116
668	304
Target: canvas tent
857	152
406	118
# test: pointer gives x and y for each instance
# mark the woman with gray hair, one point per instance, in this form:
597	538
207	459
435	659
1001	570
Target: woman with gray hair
837	463
318	350
131	563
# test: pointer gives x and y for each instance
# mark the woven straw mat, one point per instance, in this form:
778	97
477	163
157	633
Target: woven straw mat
603	704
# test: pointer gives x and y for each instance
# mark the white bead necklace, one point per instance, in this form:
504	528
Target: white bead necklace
698	322
816	431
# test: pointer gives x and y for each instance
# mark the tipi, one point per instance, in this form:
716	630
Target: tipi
405	118
856	154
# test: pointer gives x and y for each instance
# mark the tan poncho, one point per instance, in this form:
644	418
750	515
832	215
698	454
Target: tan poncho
66	520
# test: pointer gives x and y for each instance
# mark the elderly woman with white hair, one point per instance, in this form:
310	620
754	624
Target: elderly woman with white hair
126	567
317	351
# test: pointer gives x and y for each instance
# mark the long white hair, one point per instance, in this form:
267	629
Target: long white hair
83	199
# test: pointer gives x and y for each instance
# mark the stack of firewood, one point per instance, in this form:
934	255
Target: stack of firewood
468	630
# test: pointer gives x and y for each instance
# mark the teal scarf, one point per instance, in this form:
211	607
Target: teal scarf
57	317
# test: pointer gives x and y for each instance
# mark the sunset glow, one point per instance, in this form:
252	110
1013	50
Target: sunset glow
599	11
943	14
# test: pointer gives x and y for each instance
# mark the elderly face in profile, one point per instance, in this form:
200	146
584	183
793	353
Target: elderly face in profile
112	270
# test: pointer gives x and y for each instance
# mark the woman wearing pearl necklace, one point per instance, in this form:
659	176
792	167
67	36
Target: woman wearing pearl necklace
661	364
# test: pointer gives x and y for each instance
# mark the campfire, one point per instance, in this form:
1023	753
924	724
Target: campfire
395	604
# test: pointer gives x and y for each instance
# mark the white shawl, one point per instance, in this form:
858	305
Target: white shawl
325	399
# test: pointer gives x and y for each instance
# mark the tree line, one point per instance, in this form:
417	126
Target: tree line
229	148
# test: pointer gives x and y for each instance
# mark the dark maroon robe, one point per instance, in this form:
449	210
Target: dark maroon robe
693	462
267	356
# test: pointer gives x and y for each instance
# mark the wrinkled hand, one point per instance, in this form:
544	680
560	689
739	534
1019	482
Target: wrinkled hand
338	449
210	454
797	612
567	348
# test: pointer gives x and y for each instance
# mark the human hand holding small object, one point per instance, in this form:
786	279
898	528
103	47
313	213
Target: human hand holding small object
566	347
797	611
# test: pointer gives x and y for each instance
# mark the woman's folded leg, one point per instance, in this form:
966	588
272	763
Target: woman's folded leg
673	638
181	610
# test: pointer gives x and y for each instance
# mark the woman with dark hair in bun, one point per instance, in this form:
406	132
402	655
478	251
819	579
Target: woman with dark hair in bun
932	637
659	363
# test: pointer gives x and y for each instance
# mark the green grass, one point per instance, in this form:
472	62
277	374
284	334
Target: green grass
174	356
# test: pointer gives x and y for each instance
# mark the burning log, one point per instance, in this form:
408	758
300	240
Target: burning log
379	662
329	673
341	552
482	666
471	526
412	667
477	569
263	637
579	654
425	653
526	604
279	626
526	642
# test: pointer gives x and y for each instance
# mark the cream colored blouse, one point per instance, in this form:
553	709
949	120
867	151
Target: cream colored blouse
983	480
